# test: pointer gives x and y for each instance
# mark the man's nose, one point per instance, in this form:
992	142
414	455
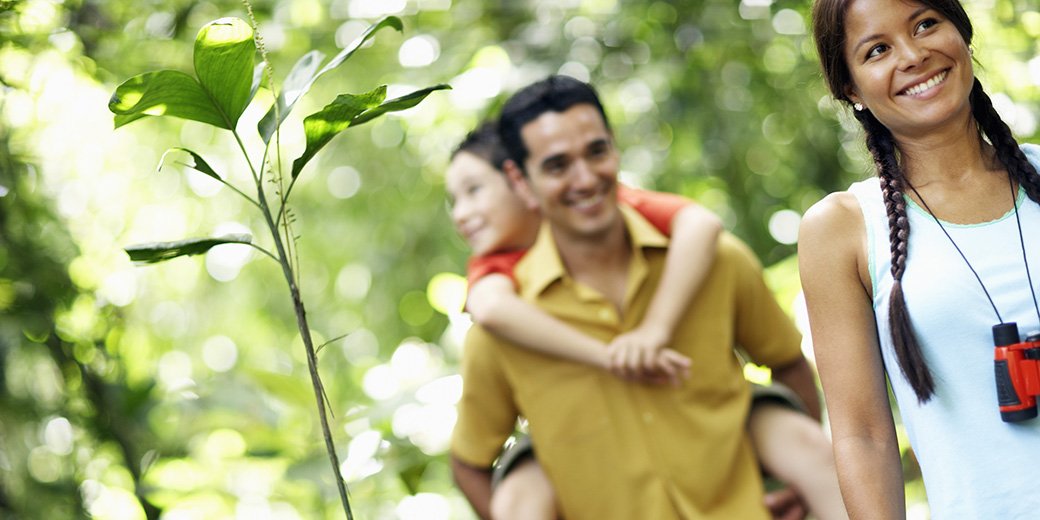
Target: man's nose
582	176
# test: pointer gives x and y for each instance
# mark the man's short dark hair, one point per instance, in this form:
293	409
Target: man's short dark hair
552	94
484	142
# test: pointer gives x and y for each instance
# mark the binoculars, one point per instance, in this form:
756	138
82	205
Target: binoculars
1017	366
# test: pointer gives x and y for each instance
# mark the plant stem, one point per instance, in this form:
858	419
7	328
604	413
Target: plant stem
312	358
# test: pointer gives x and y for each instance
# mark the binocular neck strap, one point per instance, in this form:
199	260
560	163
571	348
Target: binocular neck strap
1021	239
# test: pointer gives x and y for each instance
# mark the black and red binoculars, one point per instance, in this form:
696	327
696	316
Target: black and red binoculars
1017	366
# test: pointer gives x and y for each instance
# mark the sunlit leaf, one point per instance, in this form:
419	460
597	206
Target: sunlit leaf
156	252
350	110
397	104
295	86
320	127
303	76
200	164
224	52
163	92
389	21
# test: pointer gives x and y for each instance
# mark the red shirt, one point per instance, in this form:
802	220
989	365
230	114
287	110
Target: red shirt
657	207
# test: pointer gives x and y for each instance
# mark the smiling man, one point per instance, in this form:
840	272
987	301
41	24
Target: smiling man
613	449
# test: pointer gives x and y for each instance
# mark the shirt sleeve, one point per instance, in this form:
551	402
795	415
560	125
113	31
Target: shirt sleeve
486	411
657	207
494	263
763	329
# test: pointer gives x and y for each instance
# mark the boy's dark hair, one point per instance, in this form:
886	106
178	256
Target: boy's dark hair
552	94
484	142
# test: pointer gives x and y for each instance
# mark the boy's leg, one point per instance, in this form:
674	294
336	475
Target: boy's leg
793	447
520	489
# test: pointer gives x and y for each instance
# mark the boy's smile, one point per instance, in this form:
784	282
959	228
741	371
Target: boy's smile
486	211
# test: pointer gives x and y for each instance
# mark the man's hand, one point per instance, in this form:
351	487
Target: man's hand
785	504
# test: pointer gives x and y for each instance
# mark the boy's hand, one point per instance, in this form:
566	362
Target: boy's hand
658	366
785	504
634	354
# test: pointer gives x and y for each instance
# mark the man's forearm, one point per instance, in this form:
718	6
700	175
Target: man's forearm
475	484
798	377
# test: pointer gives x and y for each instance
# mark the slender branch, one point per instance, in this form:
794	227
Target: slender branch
245	154
333	340
312	360
236	190
264	251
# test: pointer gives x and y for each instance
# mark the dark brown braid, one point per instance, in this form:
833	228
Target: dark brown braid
1008	151
911	360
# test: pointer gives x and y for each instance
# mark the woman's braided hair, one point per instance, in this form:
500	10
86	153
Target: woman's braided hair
829	30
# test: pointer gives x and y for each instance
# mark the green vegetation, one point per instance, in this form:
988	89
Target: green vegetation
179	390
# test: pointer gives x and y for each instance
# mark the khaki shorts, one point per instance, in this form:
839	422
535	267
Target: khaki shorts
777	393
512	455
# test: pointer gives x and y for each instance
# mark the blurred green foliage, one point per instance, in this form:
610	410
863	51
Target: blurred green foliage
171	391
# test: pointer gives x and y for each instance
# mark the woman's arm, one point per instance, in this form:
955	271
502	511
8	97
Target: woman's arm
833	267
494	304
694	231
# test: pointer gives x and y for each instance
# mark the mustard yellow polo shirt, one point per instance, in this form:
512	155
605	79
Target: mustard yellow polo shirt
618	450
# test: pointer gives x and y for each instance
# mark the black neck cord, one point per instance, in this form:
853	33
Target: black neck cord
1021	239
1025	260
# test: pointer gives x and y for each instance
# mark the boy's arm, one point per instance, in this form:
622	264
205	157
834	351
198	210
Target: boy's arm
694	232
494	304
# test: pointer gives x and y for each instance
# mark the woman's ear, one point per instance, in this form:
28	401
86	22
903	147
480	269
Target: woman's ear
518	181
853	95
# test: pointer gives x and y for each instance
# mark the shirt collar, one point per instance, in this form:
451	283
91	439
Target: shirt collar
542	266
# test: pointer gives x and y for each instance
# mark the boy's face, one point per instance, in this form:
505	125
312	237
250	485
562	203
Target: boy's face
572	170
486	211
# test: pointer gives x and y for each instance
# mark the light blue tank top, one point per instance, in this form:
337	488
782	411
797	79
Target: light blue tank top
974	465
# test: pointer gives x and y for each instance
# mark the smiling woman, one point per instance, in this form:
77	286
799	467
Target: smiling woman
908	66
949	169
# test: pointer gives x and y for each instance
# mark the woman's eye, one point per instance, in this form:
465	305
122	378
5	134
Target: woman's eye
926	24
876	50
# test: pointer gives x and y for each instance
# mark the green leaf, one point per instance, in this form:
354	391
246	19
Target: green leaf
300	79
389	21
224	52
320	127
397	104
303	76
156	252
163	92
258	78
200	164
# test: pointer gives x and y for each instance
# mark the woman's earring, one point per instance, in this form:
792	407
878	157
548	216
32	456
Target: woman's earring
971	51
858	107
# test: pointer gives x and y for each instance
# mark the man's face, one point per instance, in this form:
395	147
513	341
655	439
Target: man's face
572	169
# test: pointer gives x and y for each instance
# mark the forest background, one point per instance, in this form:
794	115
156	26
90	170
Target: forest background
180	391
